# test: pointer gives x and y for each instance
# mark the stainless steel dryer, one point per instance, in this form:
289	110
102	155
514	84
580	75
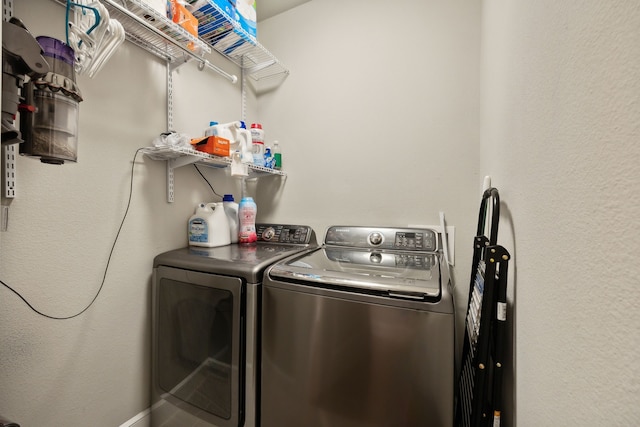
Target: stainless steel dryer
359	332
206	331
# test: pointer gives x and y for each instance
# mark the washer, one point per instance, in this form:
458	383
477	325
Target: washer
359	332
206	328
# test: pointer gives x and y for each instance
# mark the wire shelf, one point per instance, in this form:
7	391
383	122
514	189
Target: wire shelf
189	155
158	35
226	36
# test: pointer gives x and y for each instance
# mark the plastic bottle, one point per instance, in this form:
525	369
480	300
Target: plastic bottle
247	212
212	130
257	140
277	156
209	226
244	136
223	130
268	158
231	209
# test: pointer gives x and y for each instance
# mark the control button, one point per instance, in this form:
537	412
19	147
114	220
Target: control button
268	233
375	238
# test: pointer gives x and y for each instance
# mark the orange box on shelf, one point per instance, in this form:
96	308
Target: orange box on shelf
180	15
214	145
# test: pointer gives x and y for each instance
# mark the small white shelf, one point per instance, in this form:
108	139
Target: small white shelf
178	157
186	156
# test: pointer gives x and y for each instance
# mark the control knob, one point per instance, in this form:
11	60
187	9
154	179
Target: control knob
268	233
375	238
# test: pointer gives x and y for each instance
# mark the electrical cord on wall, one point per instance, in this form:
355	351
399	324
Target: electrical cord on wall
207	181
104	277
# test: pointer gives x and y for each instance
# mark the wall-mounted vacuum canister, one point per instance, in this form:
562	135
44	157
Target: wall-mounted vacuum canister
49	120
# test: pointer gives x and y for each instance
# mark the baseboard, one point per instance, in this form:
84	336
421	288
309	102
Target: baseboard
140	420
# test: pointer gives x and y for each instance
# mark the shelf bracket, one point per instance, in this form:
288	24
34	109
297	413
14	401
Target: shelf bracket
175	164
261	67
202	64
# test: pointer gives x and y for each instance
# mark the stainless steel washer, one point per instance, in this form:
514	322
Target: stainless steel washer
359	332
206	330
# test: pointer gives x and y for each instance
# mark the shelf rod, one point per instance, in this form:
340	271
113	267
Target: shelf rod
204	63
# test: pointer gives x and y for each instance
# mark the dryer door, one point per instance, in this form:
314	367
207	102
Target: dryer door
198	322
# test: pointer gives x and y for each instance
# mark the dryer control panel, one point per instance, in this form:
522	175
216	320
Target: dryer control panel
280	233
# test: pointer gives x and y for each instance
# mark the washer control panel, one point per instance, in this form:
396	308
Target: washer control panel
279	233
408	239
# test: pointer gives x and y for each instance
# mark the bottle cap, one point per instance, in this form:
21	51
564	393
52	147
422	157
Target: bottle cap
256	126
227	198
213	123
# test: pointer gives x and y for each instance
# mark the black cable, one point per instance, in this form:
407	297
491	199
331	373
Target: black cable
207	181
104	277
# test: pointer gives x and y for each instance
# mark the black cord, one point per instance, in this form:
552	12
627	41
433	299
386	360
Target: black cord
104	277
207	181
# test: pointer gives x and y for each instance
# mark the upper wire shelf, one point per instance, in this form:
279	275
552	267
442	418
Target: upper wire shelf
157	34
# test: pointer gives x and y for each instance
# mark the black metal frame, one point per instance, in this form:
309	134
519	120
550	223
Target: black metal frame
479	389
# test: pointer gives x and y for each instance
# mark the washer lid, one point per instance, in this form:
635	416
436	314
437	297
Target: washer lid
407	274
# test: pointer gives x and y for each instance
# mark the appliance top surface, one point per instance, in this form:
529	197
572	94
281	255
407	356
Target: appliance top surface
392	261
275	242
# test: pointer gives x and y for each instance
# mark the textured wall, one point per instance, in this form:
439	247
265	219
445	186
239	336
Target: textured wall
560	133
94	369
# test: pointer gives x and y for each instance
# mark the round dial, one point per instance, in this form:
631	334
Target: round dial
375	258
268	233
375	238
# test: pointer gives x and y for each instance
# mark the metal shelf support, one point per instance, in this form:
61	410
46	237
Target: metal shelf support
8	153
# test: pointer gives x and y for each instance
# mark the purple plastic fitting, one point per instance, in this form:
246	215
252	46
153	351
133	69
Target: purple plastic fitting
56	49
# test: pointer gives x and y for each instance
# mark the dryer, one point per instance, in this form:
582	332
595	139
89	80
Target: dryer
359	333
206	328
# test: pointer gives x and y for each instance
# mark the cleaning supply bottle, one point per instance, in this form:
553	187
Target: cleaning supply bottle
244	138
257	140
231	209
268	158
209	226
212	130
277	156
247	212
223	130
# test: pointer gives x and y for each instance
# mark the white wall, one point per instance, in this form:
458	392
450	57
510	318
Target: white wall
62	225
560	133
379	124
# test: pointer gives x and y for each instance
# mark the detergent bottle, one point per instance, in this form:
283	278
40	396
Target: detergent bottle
209	226
244	135
247	211
231	209
241	142
257	142
222	130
